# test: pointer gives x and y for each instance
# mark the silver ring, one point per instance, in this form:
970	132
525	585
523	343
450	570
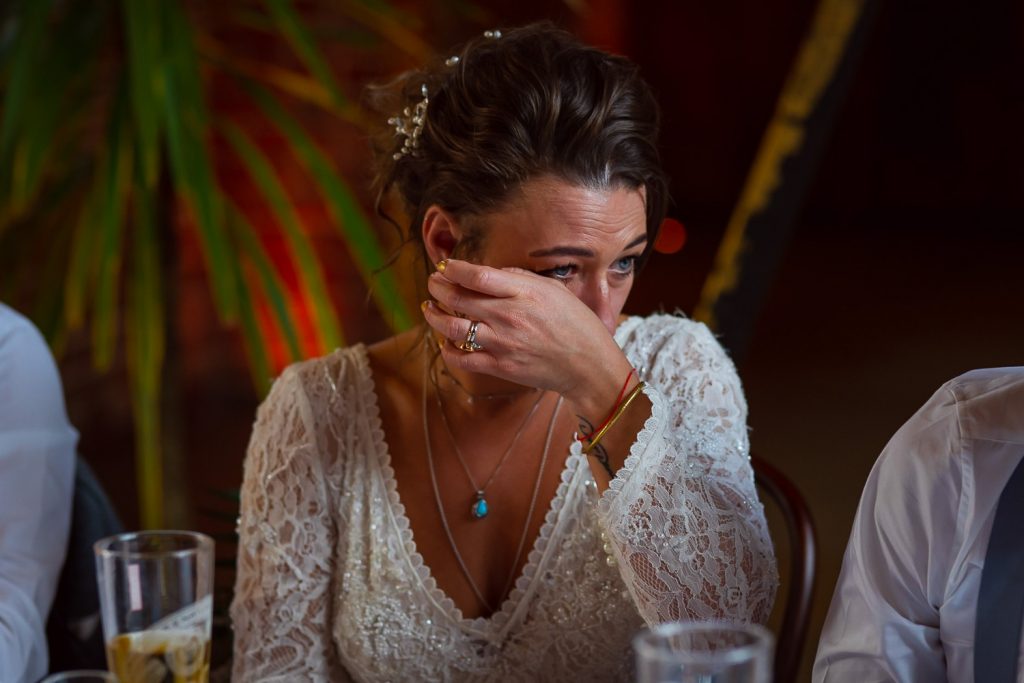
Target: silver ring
470	345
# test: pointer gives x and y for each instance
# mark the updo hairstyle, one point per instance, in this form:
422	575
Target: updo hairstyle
515	105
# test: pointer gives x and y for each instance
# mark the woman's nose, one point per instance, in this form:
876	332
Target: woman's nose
597	297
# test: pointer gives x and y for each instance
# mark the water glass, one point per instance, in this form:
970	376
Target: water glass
704	652
156	602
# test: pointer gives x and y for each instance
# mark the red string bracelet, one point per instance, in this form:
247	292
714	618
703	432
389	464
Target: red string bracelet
615	407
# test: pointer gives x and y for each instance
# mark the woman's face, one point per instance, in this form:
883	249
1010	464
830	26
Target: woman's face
589	240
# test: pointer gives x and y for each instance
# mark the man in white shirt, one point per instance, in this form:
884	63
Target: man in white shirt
904	606
37	461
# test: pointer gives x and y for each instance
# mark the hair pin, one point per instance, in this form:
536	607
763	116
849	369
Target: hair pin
410	124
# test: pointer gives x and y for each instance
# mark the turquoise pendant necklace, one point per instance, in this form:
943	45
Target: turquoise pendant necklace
444	517
480	508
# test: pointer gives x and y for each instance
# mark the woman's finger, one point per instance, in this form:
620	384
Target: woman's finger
457	330
483	279
480	362
460	300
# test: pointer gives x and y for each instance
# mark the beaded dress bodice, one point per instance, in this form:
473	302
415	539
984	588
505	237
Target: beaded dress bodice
330	585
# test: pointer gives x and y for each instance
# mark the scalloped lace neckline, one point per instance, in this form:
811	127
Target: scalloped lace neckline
496	624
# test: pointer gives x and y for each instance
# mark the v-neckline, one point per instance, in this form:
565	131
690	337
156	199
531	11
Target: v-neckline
494	625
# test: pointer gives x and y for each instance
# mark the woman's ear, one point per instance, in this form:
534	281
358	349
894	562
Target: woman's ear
441	232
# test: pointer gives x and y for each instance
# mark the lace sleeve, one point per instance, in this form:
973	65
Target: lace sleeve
281	609
682	514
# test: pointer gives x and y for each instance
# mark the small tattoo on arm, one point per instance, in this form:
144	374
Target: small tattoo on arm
602	457
598	451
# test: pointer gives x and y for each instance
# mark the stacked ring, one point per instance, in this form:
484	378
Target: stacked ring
470	345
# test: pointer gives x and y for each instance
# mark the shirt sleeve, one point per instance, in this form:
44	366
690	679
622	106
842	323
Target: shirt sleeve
37	459
883	624
281	607
682	514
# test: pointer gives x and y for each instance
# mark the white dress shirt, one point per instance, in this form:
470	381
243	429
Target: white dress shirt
904	606
37	464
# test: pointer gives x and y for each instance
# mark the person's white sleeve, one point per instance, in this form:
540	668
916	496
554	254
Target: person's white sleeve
682	514
282	606
37	460
883	624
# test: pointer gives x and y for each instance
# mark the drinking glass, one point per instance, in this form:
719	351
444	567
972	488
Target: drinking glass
81	676
704	652
156	601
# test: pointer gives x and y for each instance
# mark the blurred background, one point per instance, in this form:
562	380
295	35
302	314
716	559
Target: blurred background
186	210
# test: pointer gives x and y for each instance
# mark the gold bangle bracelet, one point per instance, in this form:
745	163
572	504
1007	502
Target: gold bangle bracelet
618	413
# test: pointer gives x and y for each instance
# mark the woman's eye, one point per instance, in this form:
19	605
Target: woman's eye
559	272
626	264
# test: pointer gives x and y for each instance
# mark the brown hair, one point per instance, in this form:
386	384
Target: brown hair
534	101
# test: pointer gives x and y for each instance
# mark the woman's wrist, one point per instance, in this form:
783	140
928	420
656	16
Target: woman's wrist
607	427
620	407
595	401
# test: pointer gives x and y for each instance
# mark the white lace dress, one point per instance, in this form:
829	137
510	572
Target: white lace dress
330	585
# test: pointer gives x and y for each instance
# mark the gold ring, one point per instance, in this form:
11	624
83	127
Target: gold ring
470	345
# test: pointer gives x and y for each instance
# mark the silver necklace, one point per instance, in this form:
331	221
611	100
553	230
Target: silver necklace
479	508
444	517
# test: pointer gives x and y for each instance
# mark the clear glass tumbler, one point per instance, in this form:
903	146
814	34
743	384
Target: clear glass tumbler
156	601
704	652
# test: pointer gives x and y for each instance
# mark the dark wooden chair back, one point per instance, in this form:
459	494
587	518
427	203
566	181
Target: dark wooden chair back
799	588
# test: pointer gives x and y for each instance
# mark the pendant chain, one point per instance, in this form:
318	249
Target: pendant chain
481	490
444	517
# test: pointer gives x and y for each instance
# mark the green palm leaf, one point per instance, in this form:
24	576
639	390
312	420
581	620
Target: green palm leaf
26	53
270	282
185	120
144	345
83	247
105	131
19	132
145	47
348	215
298	36
259	364
115	178
388	22
306	262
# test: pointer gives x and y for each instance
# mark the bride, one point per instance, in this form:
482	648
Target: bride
511	491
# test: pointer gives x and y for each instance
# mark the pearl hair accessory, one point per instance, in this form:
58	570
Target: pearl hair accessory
455	59
410	125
